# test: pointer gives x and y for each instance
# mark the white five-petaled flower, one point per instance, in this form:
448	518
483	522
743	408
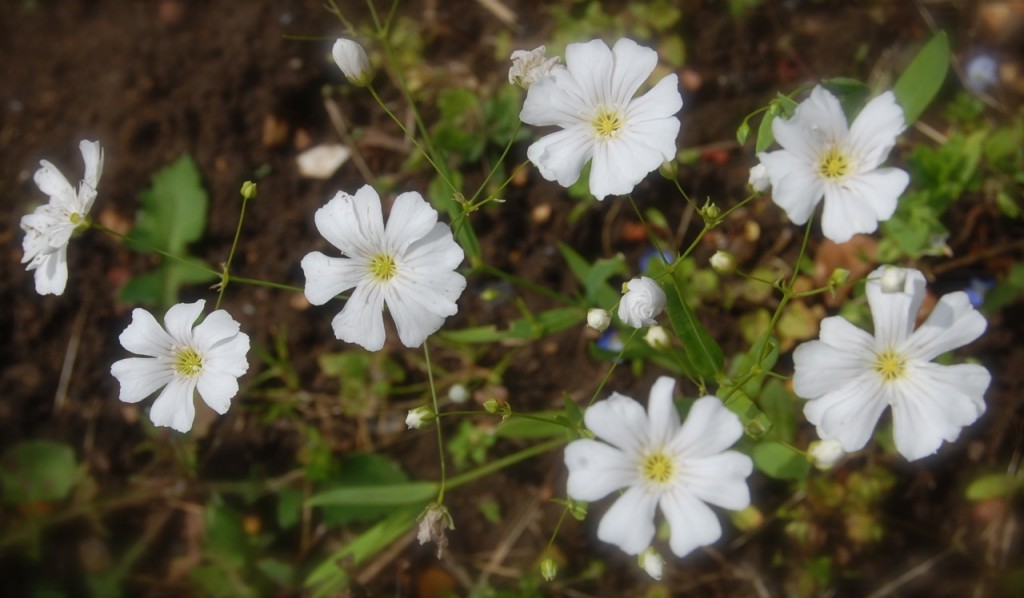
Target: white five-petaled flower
351	58
181	359
679	468
591	99
408	266
823	157
48	229
530	66
642	301
851	376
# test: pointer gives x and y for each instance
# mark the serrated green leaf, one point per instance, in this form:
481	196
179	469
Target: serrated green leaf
923	78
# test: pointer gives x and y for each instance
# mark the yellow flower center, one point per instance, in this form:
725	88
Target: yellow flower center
607	123
188	362
383	267
834	164
890	365
659	468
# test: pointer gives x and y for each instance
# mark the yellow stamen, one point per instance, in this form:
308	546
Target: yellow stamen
188	362
659	468
890	365
834	164
607	124
383	267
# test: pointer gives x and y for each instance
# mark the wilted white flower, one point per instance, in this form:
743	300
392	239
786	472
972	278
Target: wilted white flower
652	563
434	520
759	180
822	157
181	359
679	468
641	302
657	338
48	229
530	66
591	99
851	376
408	266
825	453
352	60
598	319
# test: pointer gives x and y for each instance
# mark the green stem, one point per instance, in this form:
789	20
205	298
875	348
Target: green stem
225	276
501	160
266	283
615	364
504	462
437	425
148	247
526	284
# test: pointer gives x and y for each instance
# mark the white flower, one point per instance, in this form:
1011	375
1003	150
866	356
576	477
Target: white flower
759	180
48	229
723	262
642	302
208	358
982	73
822	157
825	453
657	338
598	319
591	99
652	563
352	60
851	376
530	66
408	266
419	417
661	464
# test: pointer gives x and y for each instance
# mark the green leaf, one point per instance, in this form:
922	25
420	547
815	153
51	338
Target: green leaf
532	328
387	495
38	470
780	461
997	485
524	428
918	85
755	423
781	407
701	355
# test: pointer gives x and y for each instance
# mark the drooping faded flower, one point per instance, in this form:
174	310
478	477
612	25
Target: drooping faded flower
48	229
642	301
660	463
181	359
530	66
850	376
821	157
408	266
591	99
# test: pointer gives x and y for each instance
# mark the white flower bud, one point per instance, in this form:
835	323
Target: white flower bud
759	180
894	280
458	394
352	60
419	417
598	319
723	262
651	562
657	338
642	302
548	569
825	453
530	66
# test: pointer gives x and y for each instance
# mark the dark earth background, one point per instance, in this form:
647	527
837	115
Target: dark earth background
223	81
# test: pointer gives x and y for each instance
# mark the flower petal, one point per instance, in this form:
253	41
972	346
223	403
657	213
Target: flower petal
215	328
353	223
140	377
719	479
590	64
693	523
435	251
633	63
662	413
620	421
933	402
629	523
858	204
953	323
620	164
823	119
662	101
361	321
596	470
51	275
821	366
145	336
217	390
410	220
92	155
174	407
849	413
179	320
228	357
561	155
894	313
709	429
418	310
52	182
795	187
328	277
873	133
555	100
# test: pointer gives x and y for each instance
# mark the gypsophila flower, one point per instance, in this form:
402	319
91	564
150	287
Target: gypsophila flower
530	66
850	376
598	319
723	262
652	563
825	453
351	58
433	522
49	227
759	180
641	302
181	359
657	338
419	417
591	99
408	266
822	157
679	468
